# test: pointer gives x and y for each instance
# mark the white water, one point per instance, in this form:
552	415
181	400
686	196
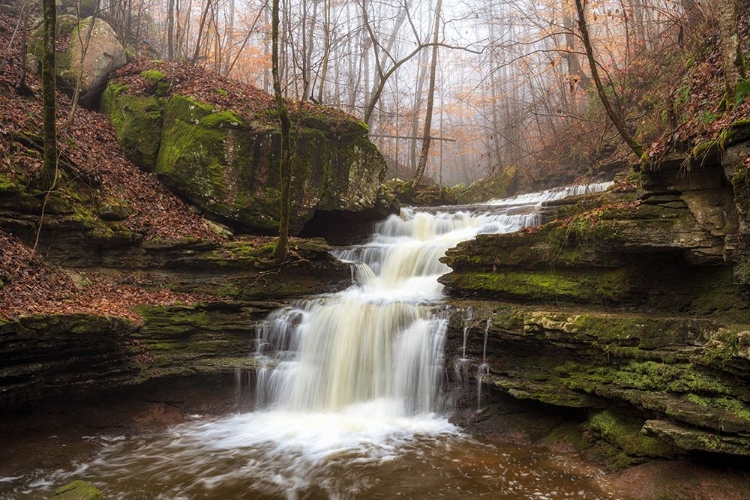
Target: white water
348	381
552	194
360	371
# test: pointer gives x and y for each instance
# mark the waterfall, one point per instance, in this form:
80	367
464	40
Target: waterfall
552	194
348	397
378	342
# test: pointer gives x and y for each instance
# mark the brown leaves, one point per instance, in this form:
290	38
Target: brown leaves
95	169
31	286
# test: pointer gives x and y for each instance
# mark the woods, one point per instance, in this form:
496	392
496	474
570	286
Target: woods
534	87
536	94
280	194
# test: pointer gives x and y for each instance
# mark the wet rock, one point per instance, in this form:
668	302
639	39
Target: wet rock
695	439
638	367
78	490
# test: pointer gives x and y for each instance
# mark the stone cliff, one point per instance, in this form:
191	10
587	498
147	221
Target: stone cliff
630	306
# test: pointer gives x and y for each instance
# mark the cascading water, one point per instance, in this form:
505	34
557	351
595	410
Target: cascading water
348	392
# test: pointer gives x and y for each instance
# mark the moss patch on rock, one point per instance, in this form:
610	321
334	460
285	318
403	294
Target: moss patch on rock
625	434
137	121
585	286
225	162
79	490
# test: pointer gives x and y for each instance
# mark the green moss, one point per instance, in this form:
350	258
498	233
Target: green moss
222	92
137	121
650	376
152	75
725	348
742	92
79	490
500	185
566	286
158	85
222	119
625	434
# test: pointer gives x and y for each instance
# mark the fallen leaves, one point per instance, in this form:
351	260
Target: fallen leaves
96	170
32	286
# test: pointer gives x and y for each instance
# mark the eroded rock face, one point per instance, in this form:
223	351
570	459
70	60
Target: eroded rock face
662	248
679	381
629	306
227	165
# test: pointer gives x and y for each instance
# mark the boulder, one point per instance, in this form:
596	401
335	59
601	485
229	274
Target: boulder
225	161
104	54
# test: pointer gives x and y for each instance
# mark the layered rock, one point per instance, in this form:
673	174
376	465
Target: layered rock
676	379
629	306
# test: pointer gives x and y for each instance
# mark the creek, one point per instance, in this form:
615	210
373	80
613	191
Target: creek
351	398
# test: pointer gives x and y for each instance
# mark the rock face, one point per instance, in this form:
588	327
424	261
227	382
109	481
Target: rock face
51	356
226	162
104	54
630	306
45	356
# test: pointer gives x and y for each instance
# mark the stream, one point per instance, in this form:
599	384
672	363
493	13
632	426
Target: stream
350	400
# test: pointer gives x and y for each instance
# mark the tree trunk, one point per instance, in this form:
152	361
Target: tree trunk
416	110
430	100
22	87
48	174
285	164
575	72
613	115
170	30
731	55
201	27
326	48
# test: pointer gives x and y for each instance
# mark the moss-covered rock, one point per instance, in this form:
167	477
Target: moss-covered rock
426	194
500	185
78	490
690	438
137	121
625	434
45	356
227	164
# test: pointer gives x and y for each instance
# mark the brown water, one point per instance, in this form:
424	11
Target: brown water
206	459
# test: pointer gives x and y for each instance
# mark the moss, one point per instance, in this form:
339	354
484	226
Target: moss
137	121
79	490
728	349
649	376
158	86
566	286
742	91
222	119
152	75
706	148
500	185
625	434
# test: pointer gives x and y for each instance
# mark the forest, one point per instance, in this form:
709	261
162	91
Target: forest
502	85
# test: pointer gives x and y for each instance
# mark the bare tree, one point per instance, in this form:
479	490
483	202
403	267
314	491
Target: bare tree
427	137
285	163
48	175
617	119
